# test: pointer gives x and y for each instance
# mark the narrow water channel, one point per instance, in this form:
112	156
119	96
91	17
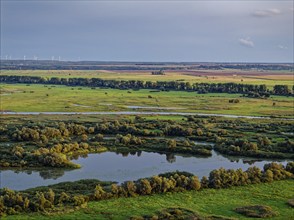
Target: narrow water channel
134	113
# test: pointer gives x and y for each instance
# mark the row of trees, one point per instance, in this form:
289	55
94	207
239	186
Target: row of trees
12	202
44	133
181	181
258	90
263	147
64	130
51	157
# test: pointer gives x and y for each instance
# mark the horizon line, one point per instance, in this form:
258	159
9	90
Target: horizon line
116	61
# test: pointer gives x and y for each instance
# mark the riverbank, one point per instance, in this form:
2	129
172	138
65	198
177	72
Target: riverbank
205	202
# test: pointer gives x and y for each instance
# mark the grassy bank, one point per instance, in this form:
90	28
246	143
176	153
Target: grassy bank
205	202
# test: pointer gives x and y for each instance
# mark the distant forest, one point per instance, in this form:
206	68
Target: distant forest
103	65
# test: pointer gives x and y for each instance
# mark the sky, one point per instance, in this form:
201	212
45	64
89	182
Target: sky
159	31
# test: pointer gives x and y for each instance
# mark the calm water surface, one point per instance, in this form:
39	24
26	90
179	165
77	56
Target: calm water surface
117	167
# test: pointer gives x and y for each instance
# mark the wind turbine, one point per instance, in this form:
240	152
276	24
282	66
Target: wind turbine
24	58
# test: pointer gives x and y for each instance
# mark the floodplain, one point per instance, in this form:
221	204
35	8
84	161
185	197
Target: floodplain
155	161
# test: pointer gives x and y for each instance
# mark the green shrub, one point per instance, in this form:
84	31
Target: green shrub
256	211
290	202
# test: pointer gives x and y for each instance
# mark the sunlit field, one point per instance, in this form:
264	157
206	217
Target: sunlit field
56	98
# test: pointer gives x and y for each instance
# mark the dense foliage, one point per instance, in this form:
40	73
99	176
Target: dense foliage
53	144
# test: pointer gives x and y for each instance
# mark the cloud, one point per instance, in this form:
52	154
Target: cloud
246	42
266	13
282	47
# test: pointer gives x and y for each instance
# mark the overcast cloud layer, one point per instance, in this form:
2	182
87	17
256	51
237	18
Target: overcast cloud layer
241	31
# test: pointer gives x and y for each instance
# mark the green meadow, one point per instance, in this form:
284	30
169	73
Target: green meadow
55	98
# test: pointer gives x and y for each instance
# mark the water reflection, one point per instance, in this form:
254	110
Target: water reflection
52	174
127	153
124	166
171	158
47	173
77	156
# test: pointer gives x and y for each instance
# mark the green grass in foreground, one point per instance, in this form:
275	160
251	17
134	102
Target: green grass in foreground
206	202
20	97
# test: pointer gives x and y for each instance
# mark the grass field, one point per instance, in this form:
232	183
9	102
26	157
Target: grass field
268	78
206	202
21	97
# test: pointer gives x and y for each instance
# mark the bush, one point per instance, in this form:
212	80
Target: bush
290	167
170	213
290	202
256	211
234	101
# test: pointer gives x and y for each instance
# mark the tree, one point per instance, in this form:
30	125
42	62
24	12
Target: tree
131	188
268	176
145	187
63	198
204	182
194	183
99	137
171	144
18	151
199	132
50	195
99	193
84	137
254	175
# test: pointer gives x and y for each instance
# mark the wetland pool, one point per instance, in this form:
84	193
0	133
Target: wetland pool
111	166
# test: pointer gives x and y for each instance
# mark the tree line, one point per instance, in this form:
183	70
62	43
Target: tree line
202	88
13	202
